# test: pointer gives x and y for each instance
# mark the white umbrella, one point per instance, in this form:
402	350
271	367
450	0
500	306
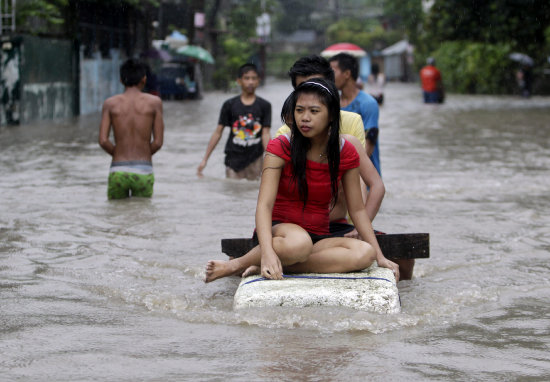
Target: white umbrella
176	40
521	58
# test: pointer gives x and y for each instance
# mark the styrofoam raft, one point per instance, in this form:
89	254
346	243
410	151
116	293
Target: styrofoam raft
373	289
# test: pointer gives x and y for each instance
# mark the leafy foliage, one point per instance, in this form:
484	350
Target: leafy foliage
367	34
472	39
280	63
476	68
296	14
520	24
236	52
50	16
39	16
238	44
242	19
405	16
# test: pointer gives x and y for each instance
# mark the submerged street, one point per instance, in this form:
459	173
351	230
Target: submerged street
92	289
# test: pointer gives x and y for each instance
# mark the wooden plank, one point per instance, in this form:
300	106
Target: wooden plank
394	246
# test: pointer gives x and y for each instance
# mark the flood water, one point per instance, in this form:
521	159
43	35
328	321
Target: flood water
98	290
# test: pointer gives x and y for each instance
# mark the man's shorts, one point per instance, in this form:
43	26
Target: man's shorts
131	178
251	172
340	228
431	97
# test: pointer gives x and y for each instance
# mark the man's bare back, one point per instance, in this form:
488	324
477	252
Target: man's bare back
134	116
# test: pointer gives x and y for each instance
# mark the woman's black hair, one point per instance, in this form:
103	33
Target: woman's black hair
300	145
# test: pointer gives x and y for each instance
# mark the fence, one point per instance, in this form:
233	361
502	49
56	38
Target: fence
38	79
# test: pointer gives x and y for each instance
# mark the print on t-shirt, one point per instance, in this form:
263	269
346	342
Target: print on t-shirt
246	130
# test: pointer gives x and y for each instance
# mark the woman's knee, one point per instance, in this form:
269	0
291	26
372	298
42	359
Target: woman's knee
363	254
300	245
295	246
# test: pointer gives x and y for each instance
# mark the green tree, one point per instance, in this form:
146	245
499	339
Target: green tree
238	43
236	52
472	39
405	16
295	14
40	16
520	24
475	68
56	16
368	34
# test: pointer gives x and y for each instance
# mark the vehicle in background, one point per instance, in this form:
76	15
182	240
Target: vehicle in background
171	81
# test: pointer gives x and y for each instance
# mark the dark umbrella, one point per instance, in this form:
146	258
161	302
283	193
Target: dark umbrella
157	54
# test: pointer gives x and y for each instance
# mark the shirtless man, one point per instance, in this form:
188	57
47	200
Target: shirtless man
135	117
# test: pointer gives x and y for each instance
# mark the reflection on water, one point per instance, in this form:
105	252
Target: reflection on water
92	289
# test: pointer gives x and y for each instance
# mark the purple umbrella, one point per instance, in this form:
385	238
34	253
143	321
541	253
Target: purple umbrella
157	54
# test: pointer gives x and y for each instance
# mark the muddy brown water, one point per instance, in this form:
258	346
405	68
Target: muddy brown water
96	290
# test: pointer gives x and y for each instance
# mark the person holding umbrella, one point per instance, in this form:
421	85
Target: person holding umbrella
524	76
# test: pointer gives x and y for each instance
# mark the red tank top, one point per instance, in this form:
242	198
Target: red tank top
289	208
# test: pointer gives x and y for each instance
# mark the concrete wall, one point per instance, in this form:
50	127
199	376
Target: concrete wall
48	73
42	79
99	79
48	101
393	67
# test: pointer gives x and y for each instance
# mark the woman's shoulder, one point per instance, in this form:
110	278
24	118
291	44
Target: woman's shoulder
346	146
280	146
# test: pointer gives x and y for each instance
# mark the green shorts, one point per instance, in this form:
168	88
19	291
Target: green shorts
126	183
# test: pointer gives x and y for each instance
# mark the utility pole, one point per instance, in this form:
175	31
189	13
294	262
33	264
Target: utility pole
263	31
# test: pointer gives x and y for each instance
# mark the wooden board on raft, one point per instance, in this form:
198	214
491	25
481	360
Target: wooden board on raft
373	289
393	246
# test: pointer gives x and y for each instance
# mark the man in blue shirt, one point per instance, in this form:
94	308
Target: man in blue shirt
346	70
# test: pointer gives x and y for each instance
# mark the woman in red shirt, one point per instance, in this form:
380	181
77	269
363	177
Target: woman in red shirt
299	184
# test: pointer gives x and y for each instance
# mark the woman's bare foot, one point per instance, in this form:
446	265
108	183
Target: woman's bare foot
216	269
251	270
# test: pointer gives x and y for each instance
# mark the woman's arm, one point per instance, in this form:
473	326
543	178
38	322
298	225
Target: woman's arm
356	209
270	266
